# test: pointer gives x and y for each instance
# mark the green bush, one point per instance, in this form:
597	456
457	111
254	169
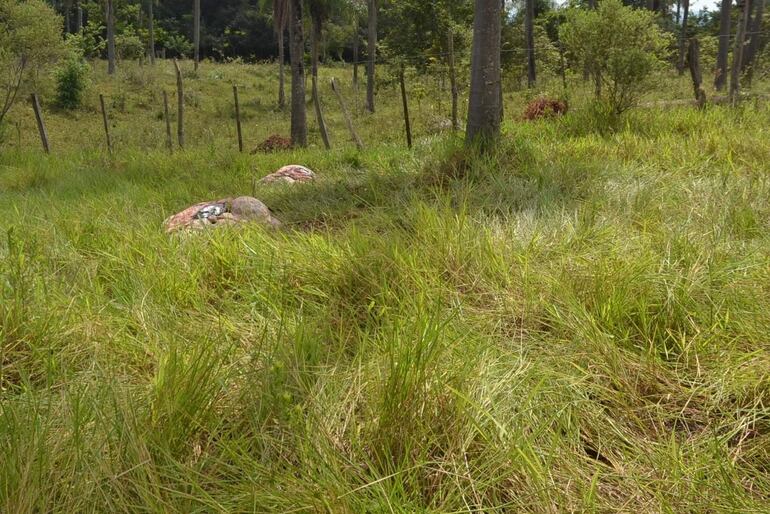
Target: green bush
30	42
620	46
72	79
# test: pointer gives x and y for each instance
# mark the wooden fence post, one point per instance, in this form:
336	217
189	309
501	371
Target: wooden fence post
407	123
346	114
40	123
106	123
453	78
238	118
180	104
169	140
693	58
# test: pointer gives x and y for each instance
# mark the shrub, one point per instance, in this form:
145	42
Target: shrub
72	79
620	46
30	42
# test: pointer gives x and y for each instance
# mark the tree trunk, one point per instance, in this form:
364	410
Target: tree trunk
151	28
298	106
755	36
724	42
110	38
678	12
315	34
693	58
735	76
529	20
197	31
79	23
683	37
281	73
484	103
355	54
372	51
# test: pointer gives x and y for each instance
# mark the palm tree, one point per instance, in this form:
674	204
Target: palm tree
486	90
281	14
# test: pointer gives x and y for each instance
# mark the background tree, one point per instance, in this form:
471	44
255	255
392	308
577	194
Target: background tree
683	37
372	54
281	12
110	20
621	46
754	36
529	23
484	109
724	44
298	109
151	29
197	31
30	43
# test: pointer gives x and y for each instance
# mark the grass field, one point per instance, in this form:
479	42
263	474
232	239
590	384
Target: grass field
576	322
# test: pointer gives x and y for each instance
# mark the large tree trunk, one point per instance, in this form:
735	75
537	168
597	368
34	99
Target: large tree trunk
529	21
485	97
683	37
755	38
740	39
298	107
197	31
372	51
724	44
151	27
110	38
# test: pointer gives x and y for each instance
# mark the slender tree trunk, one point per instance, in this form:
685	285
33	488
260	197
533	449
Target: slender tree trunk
79	18
678	12
372	51
315	28
355	53
724	44
755	36
486	89
110	37
281	72
735	76
197	31
298	106
693	59
529	21
151	28
683	37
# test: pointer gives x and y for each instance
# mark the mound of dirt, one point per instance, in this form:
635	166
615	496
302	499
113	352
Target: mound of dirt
274	143
289	175
545	108
221	213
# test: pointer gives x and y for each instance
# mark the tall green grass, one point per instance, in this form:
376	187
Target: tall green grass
576	322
